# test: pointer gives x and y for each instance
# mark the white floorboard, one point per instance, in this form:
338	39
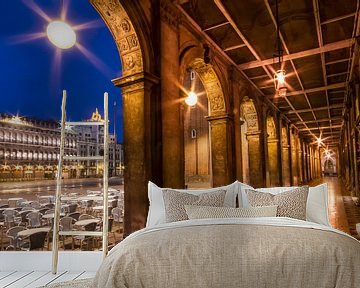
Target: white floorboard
87	275
13	277
5	274
28	279
46	279
68	276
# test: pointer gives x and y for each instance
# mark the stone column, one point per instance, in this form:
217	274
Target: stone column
285	157
300	160
305	164
255	159
273	159
172	123
294	159
221	149
139	116
237	140
356	172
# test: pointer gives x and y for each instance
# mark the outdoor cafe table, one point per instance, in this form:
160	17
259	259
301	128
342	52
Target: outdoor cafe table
13	202
28	232
87	222
51	216
49	198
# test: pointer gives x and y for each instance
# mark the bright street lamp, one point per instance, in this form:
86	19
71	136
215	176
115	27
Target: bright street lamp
61	34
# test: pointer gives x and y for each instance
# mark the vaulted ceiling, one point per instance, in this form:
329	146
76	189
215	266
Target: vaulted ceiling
318	39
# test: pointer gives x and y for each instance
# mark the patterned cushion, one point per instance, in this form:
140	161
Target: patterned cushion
290	204
175	201
201	212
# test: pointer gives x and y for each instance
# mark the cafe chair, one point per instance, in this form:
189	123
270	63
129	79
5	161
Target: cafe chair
12	234
33	241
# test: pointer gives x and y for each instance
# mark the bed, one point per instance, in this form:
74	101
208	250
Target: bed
232	252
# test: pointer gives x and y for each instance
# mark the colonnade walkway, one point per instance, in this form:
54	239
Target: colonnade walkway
343	212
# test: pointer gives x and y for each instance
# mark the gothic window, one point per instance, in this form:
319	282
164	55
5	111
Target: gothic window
193	133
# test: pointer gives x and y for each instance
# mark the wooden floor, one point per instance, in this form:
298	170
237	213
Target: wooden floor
32	279
336	191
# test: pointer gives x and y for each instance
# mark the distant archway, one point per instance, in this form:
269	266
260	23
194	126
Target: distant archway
328	163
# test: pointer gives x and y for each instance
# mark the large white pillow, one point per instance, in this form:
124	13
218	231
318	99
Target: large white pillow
317	202
156	214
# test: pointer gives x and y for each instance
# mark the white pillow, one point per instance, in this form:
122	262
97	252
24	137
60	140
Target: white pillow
242	198
156	214
317	202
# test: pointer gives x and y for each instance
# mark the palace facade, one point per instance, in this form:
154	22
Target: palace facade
29	149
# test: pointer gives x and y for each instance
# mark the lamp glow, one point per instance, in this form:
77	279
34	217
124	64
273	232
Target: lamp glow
61	34
191	100
319	141
280	83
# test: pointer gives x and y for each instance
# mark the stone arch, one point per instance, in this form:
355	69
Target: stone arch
272	152
212	86
141	104
125	36
219	122
251	147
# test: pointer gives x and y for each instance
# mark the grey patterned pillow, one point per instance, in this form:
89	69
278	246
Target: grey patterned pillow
175	201
201	212
290	203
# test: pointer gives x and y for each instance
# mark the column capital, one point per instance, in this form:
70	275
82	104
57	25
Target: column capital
224	117
253	133
135	81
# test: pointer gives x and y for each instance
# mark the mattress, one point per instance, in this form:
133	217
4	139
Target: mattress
234	252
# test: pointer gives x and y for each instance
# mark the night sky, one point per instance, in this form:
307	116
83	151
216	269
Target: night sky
31	82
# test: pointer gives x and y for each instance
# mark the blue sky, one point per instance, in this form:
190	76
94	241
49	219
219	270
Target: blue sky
31	82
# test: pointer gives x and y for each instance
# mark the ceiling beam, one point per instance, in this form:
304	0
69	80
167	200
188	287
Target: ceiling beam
317	89
228	17
258	77
336	133
337	61
337	74
216	26
234	47
338	18
319	120
318	108
326	48
321	127
292	63
198	29
322	55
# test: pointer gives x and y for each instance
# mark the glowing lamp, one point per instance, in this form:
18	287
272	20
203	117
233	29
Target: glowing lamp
191	99
61	34
280	83
319	141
